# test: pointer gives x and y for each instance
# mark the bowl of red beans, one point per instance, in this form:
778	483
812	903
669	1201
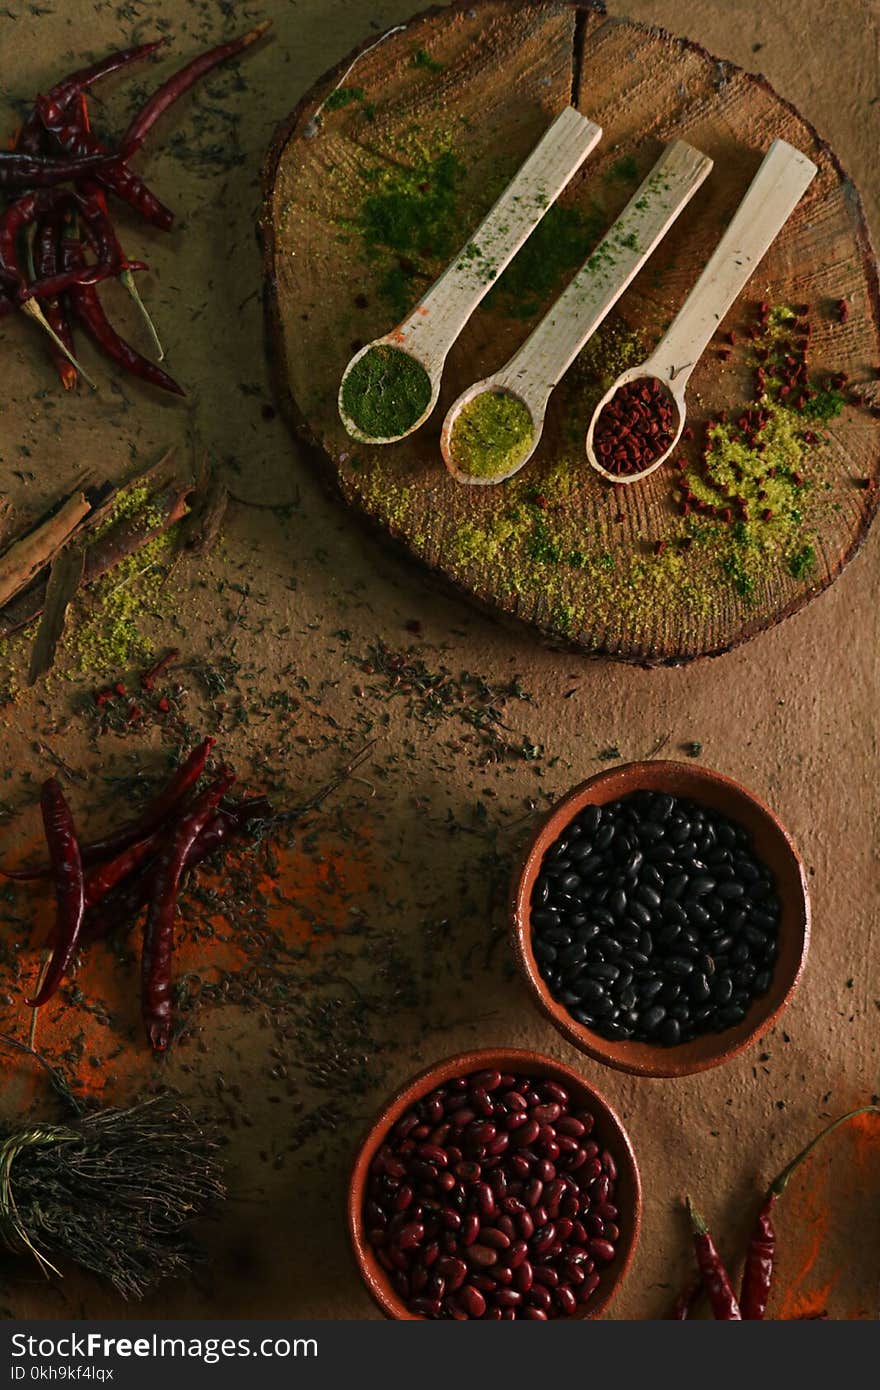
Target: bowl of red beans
661	917
495	1186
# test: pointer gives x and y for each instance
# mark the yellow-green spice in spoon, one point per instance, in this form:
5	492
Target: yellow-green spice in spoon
491	435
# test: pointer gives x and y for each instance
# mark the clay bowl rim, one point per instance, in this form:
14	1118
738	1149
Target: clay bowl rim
506	1059
714	789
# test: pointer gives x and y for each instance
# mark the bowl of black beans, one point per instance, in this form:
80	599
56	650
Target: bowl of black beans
661	917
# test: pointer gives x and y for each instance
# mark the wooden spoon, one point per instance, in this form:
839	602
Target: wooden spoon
778	186
429	331
546	355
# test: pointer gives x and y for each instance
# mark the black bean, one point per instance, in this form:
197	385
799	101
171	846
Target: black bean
617	902
648	896
762	981
702	883
722	989
649	989
651	1018
679	966
604	970
634	862
603	837
590	990
670	1032
697	913
590	817
698	988
641	913
544	951
730	890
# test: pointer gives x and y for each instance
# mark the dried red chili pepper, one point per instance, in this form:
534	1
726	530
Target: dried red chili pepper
123	903
24	171
46	253
158	945
716	1280
67	872
180	82
151	819
88	309
72	86
683	1306
758	1272
101	880
152	673
67	132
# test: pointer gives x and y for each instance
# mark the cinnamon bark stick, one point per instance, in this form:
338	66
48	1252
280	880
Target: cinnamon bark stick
26	557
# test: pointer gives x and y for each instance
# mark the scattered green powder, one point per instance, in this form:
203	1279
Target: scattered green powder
422	59
343	96
624	171
492	435
411	211
386	392
559	244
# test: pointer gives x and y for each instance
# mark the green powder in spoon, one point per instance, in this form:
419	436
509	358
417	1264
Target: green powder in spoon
492	434
386	392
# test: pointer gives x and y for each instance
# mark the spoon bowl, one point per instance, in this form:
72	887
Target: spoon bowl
644	372
516	460
433	372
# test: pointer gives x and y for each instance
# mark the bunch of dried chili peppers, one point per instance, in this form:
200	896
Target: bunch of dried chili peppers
757	1280
102	883
57	238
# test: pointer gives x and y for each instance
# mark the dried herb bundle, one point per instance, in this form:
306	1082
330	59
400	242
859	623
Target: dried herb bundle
113	1191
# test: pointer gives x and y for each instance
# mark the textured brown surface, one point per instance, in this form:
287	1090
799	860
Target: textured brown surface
504	75
793	716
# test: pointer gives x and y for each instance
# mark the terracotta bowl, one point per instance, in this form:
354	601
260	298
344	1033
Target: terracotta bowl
628	1194
773	845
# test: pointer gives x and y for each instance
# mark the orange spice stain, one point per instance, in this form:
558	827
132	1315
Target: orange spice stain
317	883
822	1198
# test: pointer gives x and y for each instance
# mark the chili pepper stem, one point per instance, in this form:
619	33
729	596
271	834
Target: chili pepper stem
45	958
33	310
127	279
781	1181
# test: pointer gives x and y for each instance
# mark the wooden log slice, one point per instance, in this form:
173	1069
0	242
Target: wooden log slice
377	179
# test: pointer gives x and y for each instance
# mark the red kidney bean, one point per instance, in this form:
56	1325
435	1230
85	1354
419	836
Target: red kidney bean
470	1228
485	1199
526	1134
601	1250
526	1225
543	1238
484	1283
451	1219
524	1276
566	1300
493	1315
446	1182
607	1211
404	1197
468	1172
430	1253
571	1127
553	1091
533	1192
539	1215
453	1270
546	1170
484	1256
405	1124
546	1275
567	1145
576	1160
491	1236
428	1307
587	1289
595	1225
574	1274
411	1235
548	1113
486	1080
600	1189
480	1099
502	1275
517	1254
514	1100
564	1228
535	1314
516	1120
540	1296
611	1232
505	1224
508	1298
499	1144
434	1154
570	1204
512	1205
472	1301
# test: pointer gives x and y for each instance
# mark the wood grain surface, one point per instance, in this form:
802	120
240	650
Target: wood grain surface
497	76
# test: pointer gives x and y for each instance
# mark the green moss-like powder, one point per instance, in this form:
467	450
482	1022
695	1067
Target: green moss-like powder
386	392
492	434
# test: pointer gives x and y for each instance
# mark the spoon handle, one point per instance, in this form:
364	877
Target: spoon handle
778	186
549	351
438	318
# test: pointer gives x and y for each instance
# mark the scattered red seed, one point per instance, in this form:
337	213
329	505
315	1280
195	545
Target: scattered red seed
659	547
152	674
767	514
